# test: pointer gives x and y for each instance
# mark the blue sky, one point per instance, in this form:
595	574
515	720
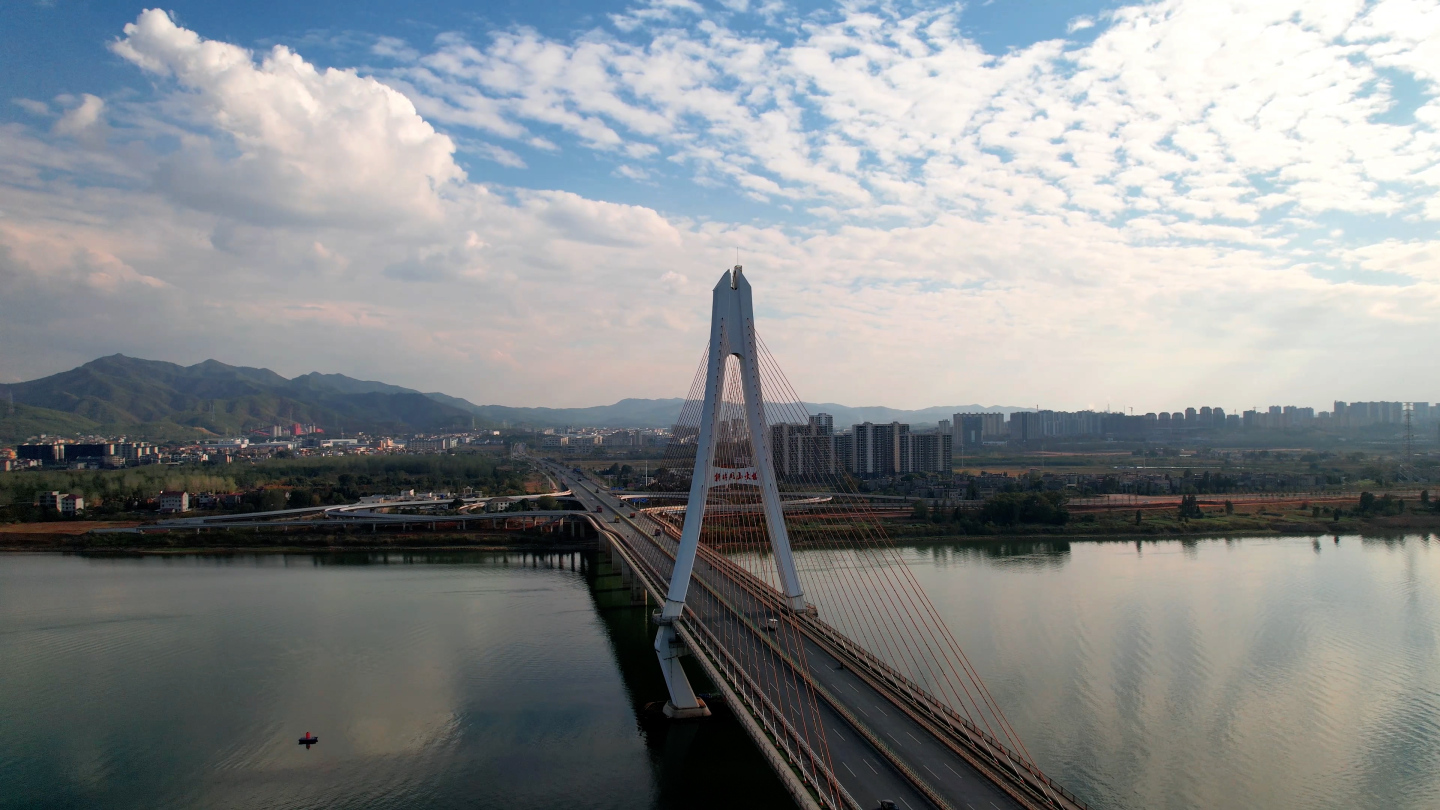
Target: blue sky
1156	204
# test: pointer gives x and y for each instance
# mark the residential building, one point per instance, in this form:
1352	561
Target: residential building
877	449
1025	426
171	502
926	452
968	430
45	453
807	450
71	505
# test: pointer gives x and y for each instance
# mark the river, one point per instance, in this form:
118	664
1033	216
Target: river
1275	673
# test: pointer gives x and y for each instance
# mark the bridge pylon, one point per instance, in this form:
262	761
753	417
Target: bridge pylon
732	334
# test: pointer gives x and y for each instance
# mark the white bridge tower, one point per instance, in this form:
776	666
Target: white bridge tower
732	334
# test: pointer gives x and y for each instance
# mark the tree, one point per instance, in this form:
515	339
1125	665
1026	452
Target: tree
922	512
1137	517
1190	508
1367	502
1229	508
1011	508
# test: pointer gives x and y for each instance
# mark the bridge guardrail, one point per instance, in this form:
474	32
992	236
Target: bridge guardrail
776	726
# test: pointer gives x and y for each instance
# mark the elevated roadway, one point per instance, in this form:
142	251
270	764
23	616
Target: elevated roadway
887	740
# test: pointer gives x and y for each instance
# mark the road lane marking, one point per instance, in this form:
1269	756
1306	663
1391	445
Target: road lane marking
907	804
896	739
852	686
952	770
882	711
932	773
868	765
862	708
911	736
847	767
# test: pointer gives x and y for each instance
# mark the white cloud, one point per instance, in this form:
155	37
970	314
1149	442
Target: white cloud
311	144
500	155
1131	220
1226	114
394	48
82	118
32	106
1419	260
1080	24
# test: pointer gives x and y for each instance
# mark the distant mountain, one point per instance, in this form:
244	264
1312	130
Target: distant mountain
631	413
143	397
654	413
845	415
119	394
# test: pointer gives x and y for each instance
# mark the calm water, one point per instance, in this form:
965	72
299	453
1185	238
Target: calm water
1255	673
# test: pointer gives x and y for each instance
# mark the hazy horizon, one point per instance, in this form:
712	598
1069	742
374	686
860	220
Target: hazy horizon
807	402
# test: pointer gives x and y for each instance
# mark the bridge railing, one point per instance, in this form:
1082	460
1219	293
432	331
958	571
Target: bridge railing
800	755
976	741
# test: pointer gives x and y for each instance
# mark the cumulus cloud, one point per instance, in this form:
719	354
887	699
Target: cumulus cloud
1135	217
310	144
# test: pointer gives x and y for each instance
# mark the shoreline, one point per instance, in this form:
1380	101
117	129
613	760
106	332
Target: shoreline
511	546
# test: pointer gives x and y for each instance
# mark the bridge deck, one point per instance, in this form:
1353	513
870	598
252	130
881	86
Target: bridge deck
878	750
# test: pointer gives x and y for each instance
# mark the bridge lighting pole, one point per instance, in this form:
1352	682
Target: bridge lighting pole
732	334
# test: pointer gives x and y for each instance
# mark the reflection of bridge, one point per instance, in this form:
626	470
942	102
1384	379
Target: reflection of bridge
842	671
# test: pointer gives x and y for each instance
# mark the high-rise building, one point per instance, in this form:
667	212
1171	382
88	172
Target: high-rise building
926	453
968	430
877	448
805	450
1025	426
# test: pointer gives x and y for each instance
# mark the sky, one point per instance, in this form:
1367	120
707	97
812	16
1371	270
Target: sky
1149	206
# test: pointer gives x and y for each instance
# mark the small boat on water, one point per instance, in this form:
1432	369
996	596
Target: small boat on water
308	740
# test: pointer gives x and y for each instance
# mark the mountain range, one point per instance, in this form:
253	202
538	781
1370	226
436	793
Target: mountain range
160	400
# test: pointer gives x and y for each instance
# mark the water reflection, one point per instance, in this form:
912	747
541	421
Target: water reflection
433	679
1250	672
1242	672
1022	553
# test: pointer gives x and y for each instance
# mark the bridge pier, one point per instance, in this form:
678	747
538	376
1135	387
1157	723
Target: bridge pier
683	703
616	584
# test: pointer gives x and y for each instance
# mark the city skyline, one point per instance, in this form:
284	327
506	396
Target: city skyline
7	395
1074	205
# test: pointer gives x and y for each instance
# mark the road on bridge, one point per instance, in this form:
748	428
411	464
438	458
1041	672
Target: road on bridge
869	738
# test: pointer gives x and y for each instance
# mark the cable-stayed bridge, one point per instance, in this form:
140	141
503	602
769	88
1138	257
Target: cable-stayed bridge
835	661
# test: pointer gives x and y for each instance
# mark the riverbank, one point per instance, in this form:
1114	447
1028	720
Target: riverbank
1110	525
77	536
19	538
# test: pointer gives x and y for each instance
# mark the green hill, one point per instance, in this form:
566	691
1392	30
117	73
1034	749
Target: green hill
154	399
